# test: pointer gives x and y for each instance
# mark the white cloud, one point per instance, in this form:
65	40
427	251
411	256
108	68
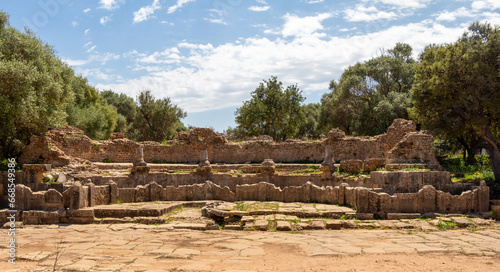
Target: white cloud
263	2
97	73
86	10
401	3
87	31
168	56
109	4
210	77
104	20
217	21
259	9
178	5
452	16
74	23
315	1
217	16
491	17
485	4
145	13
72	62
91	49
361	13
104	58
297	26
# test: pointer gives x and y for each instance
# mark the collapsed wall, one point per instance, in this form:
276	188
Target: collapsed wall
60	146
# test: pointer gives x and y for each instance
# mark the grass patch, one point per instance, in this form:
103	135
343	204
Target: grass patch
460	172
308	170
446	225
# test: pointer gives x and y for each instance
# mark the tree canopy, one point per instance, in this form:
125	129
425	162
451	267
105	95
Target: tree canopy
34	87
273	110
456	89
369	95
156	119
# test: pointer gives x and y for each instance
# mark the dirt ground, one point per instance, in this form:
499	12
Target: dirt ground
137	247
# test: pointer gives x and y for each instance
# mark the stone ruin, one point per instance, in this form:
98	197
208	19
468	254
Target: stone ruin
203	165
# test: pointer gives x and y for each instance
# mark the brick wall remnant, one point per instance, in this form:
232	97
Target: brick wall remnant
65	145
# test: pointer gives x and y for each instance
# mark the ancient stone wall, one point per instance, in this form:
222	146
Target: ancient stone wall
61	146
427	199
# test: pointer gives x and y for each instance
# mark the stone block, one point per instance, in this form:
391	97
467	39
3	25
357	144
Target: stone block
142	194
407	203
233	227
362	200
61	178
427	199
372	164
351	166
334	224
80	213
483	197
363	216
396	216
496	210
274	193
247	192
341	195
155	191
113	191
261	225
350	196
77	196
318	225
53	200
23	197
283	226
92	194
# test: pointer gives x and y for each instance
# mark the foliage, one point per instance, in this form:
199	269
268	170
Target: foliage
456	90
370	95
446	225
462	172
97	120
310	128
34	88
125	107
273	110
156	119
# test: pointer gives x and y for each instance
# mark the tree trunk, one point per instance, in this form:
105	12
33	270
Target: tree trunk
470	148
493	152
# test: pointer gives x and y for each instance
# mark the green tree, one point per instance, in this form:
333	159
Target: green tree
457	90
370	95
34	88
310	127
156	119
273	110
89	111
125	106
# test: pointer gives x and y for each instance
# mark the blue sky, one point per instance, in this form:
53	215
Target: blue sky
209	55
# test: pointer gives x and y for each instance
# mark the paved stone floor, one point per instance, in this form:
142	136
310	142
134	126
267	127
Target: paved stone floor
138	247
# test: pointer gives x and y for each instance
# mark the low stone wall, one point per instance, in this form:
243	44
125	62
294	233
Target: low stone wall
427	199
393	182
